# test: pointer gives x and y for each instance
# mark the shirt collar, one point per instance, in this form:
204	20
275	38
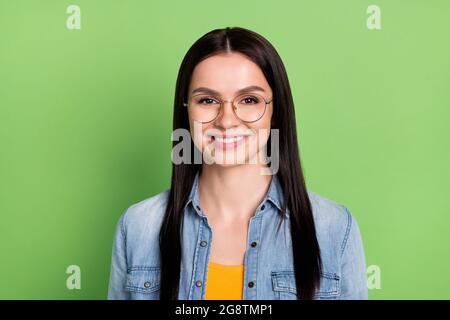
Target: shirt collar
274	195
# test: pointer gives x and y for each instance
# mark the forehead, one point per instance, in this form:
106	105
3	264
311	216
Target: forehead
227	73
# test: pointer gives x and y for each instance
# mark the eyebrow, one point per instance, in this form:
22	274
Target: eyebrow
214	92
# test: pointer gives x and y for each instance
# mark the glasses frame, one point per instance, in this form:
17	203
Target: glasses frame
234	108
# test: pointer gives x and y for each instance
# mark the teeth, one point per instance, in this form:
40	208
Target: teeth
229	140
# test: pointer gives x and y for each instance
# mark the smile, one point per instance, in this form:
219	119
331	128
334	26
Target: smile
226	142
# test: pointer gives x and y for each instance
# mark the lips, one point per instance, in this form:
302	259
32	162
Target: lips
226	142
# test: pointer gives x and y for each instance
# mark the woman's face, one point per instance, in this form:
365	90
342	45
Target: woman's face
227	140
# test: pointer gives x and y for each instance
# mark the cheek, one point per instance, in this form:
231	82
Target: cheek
268	116
198	133
263	127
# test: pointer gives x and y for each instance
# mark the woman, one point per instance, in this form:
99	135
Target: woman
229	228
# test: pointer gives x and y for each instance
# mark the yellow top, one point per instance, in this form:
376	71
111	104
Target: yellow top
224	282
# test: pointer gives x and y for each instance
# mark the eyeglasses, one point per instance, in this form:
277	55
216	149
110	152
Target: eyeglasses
247	107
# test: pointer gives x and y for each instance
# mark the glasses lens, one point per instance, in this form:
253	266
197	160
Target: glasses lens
204	108
250	107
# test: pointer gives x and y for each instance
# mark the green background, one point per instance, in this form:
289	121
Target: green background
85	124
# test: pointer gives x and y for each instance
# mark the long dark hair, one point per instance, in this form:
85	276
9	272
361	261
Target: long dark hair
305	247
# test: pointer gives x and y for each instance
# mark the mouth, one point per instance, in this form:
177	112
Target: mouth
227	142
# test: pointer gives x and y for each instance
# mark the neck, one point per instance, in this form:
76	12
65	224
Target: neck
231	194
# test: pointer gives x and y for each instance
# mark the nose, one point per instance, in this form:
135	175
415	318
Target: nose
227	118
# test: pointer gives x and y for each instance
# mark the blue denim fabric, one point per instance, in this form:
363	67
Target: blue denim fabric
135	267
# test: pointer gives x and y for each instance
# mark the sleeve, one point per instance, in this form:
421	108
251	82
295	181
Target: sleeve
353	263
118	271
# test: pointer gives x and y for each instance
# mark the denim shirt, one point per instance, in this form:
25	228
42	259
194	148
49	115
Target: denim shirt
268	260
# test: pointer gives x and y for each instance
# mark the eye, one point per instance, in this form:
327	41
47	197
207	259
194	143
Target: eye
207	101
249	100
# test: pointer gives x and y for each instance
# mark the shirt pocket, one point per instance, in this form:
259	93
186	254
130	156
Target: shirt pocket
143	282
283	283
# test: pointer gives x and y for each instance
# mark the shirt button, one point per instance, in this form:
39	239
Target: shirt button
251	284
147	284
263	207
253	244
198	208
203	243
198	283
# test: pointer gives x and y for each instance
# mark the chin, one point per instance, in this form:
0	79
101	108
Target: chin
220	159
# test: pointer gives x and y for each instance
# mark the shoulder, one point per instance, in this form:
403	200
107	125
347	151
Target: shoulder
137	231
327	210
341	247
144	215
333	221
